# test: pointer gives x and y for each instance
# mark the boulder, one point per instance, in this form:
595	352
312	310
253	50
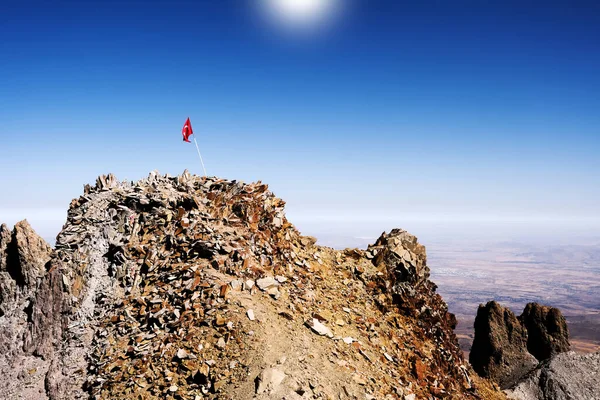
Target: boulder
565	376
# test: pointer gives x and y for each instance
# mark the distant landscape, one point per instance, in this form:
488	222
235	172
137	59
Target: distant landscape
471	272
563	276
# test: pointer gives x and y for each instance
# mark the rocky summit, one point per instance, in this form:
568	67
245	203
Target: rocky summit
188	287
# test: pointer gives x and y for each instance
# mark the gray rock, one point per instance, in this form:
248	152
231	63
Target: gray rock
566	376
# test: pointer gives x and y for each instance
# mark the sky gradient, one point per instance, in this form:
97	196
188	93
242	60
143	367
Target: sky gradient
391	114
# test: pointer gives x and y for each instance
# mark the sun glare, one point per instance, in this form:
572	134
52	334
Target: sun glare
301	13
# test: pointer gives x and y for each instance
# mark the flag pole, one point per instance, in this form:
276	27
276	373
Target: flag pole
200	155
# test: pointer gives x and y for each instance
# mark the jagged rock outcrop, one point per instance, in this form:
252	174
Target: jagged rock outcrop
23	259
566	376
505	347
189	287
23	256
8	287
499	348
5	239
404	261
547	330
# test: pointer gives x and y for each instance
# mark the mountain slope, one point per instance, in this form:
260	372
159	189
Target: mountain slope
188	287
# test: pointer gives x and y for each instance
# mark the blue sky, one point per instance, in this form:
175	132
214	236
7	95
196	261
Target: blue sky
390	114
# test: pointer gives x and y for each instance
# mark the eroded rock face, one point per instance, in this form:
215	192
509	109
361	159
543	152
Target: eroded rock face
547	330
565	376
30	253
23	256
499	348
23	259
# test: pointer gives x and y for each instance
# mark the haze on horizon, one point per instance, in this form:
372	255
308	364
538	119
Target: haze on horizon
437	117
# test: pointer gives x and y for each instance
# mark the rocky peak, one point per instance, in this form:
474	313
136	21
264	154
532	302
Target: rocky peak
547	330
506	347
23	256
404	257
23	259
499	349
29	253
192	286
5	238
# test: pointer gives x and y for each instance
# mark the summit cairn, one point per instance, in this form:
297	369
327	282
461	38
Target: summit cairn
200	288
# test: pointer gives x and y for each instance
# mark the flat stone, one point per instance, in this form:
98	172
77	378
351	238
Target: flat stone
182	354
269	379
319	328
266	283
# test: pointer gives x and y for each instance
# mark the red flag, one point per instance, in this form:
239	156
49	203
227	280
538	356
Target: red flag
187	131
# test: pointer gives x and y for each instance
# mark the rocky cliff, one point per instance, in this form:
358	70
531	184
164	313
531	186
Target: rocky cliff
190	288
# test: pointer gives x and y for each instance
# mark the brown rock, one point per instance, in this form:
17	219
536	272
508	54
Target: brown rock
27	255
547	330
499	348
419	369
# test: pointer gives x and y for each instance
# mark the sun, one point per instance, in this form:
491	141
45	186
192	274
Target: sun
301	12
